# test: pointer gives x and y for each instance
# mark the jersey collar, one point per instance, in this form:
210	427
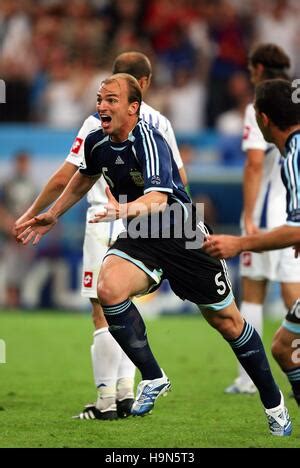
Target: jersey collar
290	137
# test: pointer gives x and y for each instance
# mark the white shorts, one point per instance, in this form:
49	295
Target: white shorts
274	265
98	237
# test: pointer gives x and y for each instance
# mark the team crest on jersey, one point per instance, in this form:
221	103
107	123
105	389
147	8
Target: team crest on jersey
88	279
137	178
76	145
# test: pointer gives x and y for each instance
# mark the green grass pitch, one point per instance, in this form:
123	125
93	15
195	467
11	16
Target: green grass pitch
48	378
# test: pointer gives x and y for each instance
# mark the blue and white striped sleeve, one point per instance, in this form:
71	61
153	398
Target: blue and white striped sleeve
154	155
291	179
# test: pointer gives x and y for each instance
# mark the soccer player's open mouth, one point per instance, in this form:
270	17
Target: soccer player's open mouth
105	120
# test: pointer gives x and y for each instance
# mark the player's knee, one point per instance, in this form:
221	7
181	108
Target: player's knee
109	293
229	328
106	293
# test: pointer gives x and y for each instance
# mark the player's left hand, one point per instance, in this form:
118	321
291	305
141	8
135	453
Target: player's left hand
110	212
221	246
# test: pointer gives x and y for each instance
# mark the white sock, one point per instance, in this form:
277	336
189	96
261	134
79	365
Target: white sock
253	314
106	358
125	379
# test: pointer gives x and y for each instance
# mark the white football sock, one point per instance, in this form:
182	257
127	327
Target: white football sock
106	358
125	379
253	314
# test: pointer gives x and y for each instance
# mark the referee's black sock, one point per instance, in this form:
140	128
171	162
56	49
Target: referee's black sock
128	329
249	350
294	377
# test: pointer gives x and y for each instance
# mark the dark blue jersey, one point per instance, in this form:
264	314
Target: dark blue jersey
139	165
290	173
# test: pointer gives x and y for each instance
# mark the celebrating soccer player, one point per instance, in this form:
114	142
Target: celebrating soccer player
150	181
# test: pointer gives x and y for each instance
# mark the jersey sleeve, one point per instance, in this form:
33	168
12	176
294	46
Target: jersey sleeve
252	136
290	178
76	153
90	165
155	158
168	134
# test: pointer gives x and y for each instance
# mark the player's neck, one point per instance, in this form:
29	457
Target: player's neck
123	133
282	137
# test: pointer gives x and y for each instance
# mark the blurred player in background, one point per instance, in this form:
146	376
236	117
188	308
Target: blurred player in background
113	371
264	209
161	222
16	194
278	117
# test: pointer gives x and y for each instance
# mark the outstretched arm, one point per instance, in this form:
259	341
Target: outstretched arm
222	246
38	226
253	172
51	191
152	202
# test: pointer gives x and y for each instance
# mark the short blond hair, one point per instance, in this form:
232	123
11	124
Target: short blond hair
134	89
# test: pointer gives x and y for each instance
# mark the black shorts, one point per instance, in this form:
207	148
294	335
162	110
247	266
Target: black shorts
192	274
292	318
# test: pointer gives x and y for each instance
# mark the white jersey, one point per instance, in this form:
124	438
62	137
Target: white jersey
270	212
270	207
97	195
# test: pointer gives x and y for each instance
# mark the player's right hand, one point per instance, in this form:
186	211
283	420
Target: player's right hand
35	228
222	246
110	211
